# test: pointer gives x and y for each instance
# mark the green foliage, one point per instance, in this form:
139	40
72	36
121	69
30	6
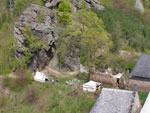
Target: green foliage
146	4
64	11
143	97
33	44
38	2
55	98
119	64
6	55
21	78
41	16
84	76
116	37
5	17
20	5
84	36
106	2
134	32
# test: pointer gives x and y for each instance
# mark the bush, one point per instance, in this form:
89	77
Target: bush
119	64
23	77
20	5
31	94
4	98
64	11
84	76
41	16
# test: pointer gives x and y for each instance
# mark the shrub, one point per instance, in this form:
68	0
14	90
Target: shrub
41	16
84	76
33	44
64	11
23	77
31	94
20	5
4	98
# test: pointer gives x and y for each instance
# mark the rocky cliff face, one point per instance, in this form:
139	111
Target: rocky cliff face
44	28
41	29
76	4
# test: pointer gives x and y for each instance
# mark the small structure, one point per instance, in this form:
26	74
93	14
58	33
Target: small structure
146	107
116	101
141	73
40	77
106	78
91	86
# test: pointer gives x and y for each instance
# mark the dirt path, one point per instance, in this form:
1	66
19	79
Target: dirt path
48	70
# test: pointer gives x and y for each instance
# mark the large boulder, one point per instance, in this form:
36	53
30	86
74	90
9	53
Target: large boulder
41	29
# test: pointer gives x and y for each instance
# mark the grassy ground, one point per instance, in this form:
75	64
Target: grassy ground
57	98
143	96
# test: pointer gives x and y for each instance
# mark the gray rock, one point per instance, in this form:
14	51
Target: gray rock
139	6
75	3
95	4
44	29
83	69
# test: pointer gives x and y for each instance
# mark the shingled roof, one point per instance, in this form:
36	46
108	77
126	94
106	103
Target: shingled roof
115	101
142	68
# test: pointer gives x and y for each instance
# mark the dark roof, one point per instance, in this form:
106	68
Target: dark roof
142	68
113	101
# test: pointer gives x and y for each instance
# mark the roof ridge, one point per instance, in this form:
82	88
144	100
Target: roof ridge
132	102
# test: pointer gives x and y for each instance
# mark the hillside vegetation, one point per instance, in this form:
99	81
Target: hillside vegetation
91	37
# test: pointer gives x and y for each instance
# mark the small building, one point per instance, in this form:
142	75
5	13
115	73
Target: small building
107	78
146	107
91	86
116	101
40	77
141	73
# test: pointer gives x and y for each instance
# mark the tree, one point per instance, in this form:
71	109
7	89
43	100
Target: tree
64	11
116	37
85	32
33	44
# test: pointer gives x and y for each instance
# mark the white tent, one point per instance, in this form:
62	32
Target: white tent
40	77
91	86
146	107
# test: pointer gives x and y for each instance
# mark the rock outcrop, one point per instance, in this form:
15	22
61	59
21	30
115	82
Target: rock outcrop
76	4
43	26
41	29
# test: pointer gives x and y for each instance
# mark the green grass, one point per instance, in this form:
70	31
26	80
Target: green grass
52	99
106	2
143	97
